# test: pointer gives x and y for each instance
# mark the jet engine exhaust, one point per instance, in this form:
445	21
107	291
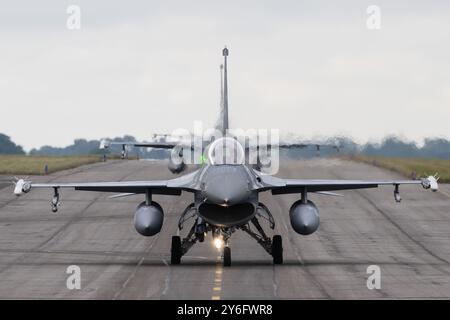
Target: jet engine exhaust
304	217
148	219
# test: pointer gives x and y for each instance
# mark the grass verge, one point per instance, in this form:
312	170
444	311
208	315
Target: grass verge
409	167
34	165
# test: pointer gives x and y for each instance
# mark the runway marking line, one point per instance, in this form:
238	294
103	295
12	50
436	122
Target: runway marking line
217	279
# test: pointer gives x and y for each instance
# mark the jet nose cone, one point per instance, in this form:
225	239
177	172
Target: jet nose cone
226	191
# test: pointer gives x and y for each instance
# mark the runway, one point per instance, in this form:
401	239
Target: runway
410	242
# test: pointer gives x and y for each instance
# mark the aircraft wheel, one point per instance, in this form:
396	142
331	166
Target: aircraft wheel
277	249
201	236
226	257
175	250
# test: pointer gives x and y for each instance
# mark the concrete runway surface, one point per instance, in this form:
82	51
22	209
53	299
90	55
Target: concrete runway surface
410	242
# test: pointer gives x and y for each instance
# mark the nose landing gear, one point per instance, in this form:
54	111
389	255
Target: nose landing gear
222	241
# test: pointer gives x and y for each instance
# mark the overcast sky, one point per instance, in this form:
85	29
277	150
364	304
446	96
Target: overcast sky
312	68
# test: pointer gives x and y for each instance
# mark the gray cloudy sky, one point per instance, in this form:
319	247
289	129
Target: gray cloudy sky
307	67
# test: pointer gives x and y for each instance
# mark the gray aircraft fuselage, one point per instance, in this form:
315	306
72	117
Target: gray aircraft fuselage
226	197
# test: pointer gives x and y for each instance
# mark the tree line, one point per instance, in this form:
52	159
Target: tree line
389	147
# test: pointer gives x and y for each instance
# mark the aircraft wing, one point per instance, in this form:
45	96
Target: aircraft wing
168	187
284	186
318	146
304	145
157	187
290	146
162	145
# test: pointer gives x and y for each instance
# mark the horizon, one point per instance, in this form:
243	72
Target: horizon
292	139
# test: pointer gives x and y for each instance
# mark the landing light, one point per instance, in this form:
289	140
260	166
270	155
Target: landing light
218	243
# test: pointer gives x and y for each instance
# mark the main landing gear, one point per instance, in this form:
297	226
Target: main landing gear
222	235
226	256
277	249
55	200
273	246
176	250
197	233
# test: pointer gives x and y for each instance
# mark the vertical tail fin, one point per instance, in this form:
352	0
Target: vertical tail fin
222	122
225	91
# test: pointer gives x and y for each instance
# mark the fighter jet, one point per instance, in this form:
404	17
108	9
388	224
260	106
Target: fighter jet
177	144
167	142
225	197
